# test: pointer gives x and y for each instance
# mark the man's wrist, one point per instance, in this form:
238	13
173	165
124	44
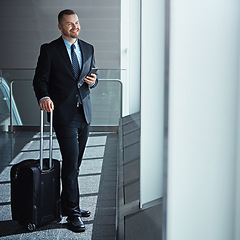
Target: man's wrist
43	98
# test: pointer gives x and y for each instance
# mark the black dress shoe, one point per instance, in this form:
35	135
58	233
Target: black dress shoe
85	213
76	224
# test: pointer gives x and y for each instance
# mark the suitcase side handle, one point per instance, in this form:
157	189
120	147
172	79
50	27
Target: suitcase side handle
50	140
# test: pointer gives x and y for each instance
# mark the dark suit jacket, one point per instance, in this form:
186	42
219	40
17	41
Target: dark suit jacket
54	77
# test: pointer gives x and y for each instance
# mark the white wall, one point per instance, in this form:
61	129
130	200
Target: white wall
203	109
26	25
237	170
130	55
152	101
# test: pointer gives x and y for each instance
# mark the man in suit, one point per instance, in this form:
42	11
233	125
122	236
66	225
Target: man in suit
61	82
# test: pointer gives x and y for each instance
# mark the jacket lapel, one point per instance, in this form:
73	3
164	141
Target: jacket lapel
62	48
84	69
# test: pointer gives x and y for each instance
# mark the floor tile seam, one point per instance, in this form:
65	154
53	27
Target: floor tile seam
89	195
5	203
26	155
96	158
37	150
5	182
93	176
90	174
101	145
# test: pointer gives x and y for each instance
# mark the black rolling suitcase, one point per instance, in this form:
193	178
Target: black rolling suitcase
35	188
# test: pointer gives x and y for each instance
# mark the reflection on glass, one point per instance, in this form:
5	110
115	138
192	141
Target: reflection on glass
106	98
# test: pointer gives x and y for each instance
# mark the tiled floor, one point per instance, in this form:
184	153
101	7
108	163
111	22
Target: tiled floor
97	181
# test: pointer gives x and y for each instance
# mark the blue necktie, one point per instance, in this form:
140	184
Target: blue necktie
75	63
76	70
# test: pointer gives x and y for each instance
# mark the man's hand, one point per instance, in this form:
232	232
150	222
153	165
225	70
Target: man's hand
46	104
90	80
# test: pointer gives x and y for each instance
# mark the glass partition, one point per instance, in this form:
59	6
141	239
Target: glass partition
22	108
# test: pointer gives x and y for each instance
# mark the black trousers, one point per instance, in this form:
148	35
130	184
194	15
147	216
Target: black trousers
72	140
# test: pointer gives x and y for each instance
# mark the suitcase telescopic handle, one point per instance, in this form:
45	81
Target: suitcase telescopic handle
50	140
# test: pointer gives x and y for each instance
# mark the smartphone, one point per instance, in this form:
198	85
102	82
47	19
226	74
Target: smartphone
93	70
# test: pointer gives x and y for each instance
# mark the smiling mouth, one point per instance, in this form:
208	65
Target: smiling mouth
75	31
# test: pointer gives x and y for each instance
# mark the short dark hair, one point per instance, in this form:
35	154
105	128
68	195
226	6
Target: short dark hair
63	12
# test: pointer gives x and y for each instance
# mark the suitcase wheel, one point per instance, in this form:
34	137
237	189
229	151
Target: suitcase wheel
31	227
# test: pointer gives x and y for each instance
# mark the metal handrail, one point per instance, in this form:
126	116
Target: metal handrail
27	80
12	99
12	106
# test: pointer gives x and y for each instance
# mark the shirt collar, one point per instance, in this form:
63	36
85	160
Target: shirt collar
68	44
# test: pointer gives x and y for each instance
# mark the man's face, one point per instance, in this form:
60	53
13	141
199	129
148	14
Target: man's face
70	26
